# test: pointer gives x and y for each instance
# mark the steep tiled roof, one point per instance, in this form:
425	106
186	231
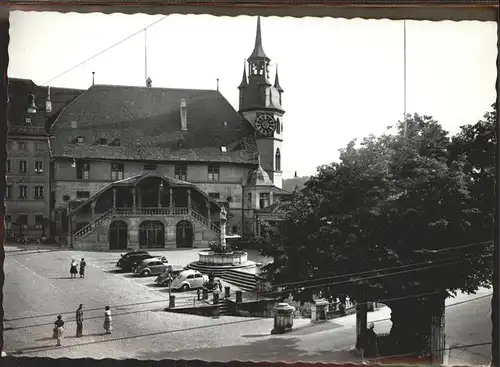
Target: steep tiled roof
19	99
147	123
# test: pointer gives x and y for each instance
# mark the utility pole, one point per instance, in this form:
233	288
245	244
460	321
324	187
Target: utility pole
405	126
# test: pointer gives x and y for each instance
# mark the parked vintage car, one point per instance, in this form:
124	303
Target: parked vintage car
174	270
131	259
189	279
152	266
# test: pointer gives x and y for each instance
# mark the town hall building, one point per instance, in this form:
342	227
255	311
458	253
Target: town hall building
145	167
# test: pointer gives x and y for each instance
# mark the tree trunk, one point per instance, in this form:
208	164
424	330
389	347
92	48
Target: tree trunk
361	322
418	327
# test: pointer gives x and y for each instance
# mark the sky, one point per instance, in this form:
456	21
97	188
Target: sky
342	79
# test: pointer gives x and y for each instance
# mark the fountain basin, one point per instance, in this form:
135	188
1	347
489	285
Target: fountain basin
217	258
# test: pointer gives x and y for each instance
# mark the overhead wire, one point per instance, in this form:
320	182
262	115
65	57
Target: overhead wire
103	51
381	300
366	278
381	269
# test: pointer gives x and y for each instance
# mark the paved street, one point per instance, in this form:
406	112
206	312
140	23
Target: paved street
38	287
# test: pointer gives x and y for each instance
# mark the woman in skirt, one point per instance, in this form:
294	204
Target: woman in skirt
107	320
73	270
59	329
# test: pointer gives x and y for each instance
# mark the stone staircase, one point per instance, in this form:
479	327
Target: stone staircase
244	281
223	307
129	212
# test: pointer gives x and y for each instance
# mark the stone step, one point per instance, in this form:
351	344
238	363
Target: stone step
241	275
234	279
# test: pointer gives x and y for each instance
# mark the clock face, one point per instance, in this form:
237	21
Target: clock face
265	124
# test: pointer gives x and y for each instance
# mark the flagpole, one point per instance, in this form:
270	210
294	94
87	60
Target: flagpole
145	55
404	79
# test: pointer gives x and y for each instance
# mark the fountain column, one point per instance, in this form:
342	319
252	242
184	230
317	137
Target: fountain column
223	221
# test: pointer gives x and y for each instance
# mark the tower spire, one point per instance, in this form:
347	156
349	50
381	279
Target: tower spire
258	50
277	81
244	81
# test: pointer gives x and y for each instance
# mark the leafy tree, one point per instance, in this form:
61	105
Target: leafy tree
393	201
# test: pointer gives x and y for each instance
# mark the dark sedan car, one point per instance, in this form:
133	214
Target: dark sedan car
132	259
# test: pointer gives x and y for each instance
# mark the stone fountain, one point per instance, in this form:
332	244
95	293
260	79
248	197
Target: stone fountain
222	259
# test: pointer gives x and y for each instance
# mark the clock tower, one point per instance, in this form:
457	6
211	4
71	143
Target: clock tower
260	104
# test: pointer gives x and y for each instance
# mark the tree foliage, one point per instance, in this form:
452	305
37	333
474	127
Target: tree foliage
392	201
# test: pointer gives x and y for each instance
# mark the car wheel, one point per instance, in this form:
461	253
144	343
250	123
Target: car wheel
145	273
185	287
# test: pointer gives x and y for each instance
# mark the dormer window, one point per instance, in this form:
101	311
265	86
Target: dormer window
27	120
80	140
74	124
223	149
115	142
225	123
103	141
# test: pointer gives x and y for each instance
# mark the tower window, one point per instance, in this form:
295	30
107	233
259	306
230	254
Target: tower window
278	159
8	191
8	166
278	126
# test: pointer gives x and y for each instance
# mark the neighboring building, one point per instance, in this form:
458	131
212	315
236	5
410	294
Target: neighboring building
144	167
31	108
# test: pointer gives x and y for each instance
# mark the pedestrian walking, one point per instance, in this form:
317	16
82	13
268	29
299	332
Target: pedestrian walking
58	329
83	264
107	320
79	321
73	269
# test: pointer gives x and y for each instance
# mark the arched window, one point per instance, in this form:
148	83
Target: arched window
278	126
278	160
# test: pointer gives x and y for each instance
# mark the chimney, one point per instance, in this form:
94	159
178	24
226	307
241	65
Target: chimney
93	77
296	174
48	102
149	82
183	108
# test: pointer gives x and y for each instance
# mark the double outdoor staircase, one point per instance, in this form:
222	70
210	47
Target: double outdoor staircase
129	212
244	281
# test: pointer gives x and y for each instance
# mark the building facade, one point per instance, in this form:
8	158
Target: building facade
27	199
145	167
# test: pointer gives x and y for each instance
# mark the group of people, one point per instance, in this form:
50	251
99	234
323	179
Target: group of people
73	270
58	331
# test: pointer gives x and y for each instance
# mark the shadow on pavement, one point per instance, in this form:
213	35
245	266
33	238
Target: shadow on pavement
314	328
271	349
